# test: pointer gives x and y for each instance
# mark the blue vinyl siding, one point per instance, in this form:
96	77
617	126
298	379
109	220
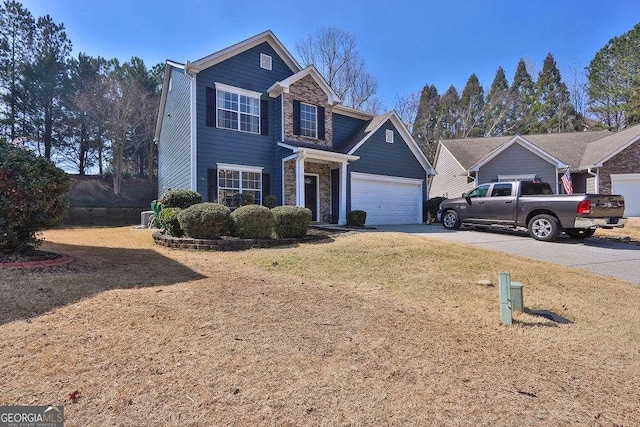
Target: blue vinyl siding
174	143
230	146
378	157
345	128
517	160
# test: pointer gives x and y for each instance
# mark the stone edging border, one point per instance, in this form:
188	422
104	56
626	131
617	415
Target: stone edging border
227	244
63	260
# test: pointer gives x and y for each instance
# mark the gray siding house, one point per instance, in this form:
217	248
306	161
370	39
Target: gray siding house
600	162
250	119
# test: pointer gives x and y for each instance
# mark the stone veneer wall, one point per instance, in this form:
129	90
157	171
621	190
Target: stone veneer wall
307	90
324	184
627	161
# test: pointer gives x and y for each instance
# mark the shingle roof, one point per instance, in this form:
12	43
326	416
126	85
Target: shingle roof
566	147
599	150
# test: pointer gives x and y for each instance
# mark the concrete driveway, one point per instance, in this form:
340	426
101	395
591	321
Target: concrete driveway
619	260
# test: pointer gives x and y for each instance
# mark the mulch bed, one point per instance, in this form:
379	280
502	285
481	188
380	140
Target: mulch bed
33	259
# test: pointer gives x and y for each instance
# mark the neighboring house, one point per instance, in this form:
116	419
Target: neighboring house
600	162
249	119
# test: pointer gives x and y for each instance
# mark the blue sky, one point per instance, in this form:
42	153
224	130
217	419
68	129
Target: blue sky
405	44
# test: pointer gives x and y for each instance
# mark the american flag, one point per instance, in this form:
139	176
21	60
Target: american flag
567	182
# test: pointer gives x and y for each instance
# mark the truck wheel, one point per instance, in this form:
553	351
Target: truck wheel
450	220
579	233
544	227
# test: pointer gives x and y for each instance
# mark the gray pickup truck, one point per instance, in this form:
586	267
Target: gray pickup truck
533	205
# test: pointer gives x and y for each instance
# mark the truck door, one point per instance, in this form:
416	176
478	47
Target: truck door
500	204
475	203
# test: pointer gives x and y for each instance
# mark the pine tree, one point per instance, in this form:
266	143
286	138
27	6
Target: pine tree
448	123
471	108
552	107
614	81
16	39
522	94
47	80
425	131
498	105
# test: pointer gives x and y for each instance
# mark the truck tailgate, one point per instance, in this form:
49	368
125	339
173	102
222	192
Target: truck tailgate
606	206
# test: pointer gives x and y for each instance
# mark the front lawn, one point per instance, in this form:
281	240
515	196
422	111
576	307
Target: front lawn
367	329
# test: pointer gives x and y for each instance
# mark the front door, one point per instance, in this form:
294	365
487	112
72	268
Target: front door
311	195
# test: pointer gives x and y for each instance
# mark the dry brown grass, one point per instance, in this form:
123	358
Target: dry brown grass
369	329
630	232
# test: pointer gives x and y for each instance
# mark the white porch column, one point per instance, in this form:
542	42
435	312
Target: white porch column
300	181
342	212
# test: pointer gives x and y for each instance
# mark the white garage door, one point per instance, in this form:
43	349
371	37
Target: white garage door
386	199
628	184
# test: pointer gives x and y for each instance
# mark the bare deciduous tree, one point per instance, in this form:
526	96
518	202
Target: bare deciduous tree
334	53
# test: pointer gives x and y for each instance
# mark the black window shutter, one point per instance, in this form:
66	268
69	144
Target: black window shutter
211	107
266	185
320	119
264	117
212	185
296	117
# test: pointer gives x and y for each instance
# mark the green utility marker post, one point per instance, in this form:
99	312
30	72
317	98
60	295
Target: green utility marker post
504	287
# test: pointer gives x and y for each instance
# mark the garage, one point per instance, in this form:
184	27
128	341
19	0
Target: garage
387	199
628	184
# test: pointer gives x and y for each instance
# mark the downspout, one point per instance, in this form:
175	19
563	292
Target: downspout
191	75
597	176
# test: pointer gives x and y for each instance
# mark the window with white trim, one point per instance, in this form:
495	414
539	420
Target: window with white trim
234	181
237	111
308	120
389	136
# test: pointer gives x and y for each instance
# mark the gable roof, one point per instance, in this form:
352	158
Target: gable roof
567	148
374	125
283	86
221	55
601	150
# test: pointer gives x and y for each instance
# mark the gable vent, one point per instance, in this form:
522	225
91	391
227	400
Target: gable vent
266	62
389	136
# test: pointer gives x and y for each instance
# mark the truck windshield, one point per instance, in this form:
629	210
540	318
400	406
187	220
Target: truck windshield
534	188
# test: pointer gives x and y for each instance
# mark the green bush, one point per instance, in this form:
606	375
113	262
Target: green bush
179	199
32	197
205	220
356	218
431	207
243	199
252	222
169	221
291	221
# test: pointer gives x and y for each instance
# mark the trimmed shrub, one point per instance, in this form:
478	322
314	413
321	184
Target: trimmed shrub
291	221
243	199
32	197
356	218
179	199
169	221
252	222
431	208
270	201
205	220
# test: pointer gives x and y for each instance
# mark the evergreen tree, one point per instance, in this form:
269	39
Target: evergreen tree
16	39
47	80
522	95
498	105
552	107
614	81
448	123
425	130
471	108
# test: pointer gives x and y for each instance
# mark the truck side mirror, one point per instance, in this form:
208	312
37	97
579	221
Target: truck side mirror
465	195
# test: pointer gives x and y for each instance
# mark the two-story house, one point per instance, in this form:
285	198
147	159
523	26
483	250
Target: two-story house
250	119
